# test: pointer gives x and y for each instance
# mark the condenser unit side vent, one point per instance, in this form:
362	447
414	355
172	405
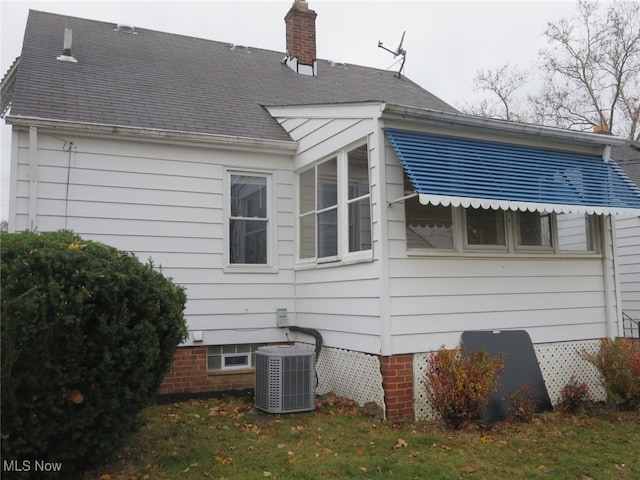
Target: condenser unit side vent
285	379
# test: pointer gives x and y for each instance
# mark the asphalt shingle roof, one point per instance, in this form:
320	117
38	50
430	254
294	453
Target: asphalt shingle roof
165	81
628	157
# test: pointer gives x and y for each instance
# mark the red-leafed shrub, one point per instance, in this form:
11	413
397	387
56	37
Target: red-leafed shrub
618	361
574	397
458	387
522	404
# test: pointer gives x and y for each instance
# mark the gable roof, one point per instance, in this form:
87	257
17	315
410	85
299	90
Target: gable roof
163	81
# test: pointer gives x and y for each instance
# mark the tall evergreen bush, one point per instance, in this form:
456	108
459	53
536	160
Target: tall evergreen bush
87	335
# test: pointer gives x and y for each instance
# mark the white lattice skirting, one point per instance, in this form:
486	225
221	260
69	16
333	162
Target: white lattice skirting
558	363
348	374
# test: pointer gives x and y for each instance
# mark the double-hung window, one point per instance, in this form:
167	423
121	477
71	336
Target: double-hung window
334	207
248	222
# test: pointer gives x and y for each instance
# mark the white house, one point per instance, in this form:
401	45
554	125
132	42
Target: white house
628	245
286	192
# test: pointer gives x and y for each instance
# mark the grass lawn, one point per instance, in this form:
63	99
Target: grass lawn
228	439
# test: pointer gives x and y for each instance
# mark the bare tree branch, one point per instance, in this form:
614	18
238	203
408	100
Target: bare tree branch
590	74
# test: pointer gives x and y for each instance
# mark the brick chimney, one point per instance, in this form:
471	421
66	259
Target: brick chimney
301	38
602	129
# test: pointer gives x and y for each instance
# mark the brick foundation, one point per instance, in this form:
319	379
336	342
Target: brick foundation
189	374
397	381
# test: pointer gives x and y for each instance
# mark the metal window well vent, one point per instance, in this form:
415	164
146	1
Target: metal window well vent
285	379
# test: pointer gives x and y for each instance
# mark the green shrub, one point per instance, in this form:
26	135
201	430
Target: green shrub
574	397
87	335
458	387
618	361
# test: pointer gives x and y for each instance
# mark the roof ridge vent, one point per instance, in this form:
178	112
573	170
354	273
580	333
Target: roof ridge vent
337	64
125	28
239	48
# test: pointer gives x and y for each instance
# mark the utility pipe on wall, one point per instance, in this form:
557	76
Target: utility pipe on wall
33	178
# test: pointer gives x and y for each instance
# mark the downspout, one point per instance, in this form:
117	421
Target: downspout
613	309
33	178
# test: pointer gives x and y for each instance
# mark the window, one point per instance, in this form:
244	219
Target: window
533	229
427	226
576	232
248	219
439	228
327	208
232	357
334	208
359	200
485	228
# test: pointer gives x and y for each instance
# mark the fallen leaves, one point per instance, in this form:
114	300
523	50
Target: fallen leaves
467	468
73	396
223	459
621	467
486	439
400	444
240	440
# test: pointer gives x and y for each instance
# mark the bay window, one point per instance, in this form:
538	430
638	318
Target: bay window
334	207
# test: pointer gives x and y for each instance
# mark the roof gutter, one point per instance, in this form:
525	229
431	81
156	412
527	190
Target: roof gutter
427	116
225	141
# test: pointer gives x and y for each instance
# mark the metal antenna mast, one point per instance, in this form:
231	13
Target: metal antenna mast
397	52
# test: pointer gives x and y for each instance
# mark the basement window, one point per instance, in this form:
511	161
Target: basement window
232	357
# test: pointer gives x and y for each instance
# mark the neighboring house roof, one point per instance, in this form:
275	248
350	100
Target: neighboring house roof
628	157
164	81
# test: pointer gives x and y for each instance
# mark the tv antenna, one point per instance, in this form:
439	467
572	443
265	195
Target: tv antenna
397	52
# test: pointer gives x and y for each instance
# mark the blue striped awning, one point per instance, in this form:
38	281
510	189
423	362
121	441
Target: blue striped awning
482	174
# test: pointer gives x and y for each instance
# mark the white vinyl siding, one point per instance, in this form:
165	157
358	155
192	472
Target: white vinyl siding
628	246
340	299
434	298
166	202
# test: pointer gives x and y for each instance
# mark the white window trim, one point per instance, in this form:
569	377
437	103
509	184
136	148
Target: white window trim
246	366
271	265
343	256
467	247
513	236
511	248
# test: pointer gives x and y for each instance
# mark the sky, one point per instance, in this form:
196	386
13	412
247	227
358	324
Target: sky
447	42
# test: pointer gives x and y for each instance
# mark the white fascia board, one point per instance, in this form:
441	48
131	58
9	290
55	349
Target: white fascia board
453	120
222	141
370	109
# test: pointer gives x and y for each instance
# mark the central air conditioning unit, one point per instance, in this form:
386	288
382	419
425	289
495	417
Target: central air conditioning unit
285	379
